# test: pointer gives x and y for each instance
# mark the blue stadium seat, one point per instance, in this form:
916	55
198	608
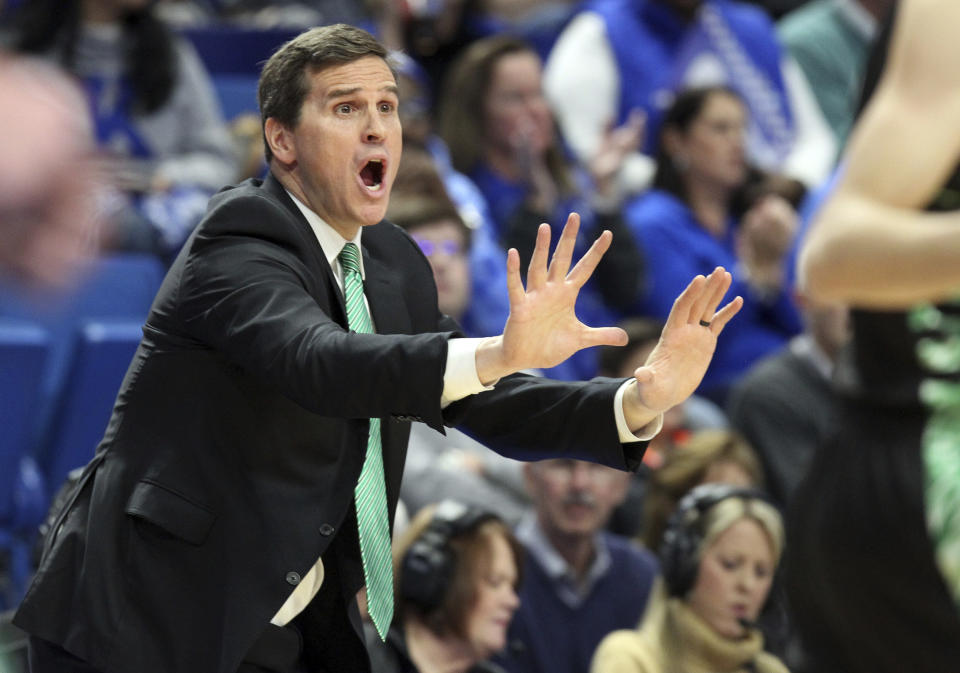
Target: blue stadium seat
24	348
233	57
237	94
236	50
100	359
120	287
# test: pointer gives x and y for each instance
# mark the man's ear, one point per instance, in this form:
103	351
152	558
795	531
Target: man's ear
280	140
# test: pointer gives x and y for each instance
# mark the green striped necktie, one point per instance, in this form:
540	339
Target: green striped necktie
370	494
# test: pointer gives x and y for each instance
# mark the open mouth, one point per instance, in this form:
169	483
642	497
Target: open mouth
372	174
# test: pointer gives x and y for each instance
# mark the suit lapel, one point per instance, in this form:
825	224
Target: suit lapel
318	259
382	288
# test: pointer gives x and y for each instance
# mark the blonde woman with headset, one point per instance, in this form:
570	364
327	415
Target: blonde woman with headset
719	555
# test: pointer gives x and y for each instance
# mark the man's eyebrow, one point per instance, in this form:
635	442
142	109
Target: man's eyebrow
339	93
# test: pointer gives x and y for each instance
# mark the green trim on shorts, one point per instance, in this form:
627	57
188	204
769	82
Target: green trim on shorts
940	444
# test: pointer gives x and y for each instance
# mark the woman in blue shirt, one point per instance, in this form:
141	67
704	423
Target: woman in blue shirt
695	219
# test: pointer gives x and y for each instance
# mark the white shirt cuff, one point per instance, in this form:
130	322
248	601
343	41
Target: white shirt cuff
649	431
460	377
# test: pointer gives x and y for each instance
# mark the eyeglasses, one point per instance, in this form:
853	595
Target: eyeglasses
448	247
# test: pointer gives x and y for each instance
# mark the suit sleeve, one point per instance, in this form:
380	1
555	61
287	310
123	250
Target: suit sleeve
531	418
248	293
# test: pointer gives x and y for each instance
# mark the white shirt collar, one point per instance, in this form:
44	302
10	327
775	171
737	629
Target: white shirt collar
531	535
860	19
331	242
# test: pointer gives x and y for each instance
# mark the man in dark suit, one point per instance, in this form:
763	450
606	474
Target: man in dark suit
216	529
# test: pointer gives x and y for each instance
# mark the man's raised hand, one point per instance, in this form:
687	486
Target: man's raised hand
677	364
543	330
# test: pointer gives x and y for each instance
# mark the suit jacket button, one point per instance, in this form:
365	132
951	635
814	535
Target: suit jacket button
326	530
293	578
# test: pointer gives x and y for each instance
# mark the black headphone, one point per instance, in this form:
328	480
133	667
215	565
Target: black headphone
427	568
679	561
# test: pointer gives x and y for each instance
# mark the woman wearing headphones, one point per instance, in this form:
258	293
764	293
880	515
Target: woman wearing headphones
719	555
457	570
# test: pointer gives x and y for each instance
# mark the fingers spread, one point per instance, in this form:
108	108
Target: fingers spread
722	317
537	271
718	282
514	284
683	305
563	255
699	304
719	291
588	263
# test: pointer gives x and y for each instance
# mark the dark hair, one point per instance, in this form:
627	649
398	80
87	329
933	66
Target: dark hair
761	185
461	108
412	211
680	116
685	467
53	26
283	83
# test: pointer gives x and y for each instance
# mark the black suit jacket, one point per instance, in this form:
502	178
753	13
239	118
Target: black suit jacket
229	463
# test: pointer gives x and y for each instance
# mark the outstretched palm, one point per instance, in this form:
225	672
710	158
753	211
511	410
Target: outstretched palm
543	329
677	364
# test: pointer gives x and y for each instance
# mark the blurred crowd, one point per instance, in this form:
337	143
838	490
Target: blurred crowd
702	133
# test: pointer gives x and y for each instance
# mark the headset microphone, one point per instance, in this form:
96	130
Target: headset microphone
748	623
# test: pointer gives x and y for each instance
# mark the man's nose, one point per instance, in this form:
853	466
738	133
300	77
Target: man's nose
581	476
375	130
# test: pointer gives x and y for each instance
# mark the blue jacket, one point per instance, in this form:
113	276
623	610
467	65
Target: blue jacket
679	249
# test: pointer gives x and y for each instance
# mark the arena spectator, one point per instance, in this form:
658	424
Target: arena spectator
719	556
619	56
158	123
580	582
785	404
451	465
696	218
501	133
830	41
457	571
709	456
